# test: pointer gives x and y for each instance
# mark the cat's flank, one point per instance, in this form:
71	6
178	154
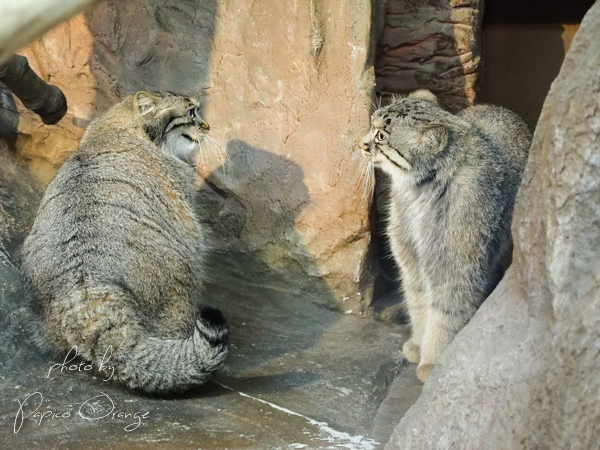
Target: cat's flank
113	263
454	179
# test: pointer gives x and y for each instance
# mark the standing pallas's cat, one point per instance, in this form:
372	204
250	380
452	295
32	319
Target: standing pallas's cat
454	179
113	264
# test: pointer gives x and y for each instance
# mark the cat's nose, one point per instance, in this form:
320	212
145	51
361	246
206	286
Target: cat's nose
204	125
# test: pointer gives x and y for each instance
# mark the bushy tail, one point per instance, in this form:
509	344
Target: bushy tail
164	365
125	352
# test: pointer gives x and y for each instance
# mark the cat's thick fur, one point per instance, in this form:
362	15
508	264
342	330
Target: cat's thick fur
113	263
454	180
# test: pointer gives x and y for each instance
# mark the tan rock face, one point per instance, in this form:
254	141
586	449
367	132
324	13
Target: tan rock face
524	372
291	118
61	58
287	96
432	44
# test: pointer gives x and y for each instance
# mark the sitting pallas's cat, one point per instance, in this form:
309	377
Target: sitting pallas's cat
113	264
454	179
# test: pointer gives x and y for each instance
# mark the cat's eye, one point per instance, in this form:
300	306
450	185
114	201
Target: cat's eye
380	136
192	113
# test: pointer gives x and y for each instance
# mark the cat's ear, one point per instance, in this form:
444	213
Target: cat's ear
424	94
434	137
144	102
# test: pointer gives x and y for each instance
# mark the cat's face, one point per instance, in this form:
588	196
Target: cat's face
406	136
172	122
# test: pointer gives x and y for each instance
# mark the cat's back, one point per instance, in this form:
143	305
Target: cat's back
117	165
116	214
114	181
504	129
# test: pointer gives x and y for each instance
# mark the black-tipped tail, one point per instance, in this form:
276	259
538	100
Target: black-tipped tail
165	366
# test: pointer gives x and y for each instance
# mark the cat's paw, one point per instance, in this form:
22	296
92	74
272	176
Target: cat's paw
412	352
423	371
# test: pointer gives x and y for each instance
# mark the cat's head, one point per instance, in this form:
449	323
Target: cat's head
172	122
407	136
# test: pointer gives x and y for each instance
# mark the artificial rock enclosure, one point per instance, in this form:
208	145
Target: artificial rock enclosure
287	88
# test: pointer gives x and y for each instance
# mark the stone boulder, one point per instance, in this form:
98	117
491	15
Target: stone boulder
524	372
286	90
432	44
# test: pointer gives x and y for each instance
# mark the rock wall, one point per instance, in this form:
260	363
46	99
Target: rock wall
61	57
287	89
287	95
432	44
524	372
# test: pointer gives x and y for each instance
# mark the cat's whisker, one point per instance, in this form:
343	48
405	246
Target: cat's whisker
373	104
361	176
210	149
217	144
198	94
372	180
369	181
197	157
366	180
201	152
365	177
220	150
370	185
215	151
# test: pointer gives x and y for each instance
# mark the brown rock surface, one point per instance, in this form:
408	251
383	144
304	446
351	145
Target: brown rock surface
524	373
286	93
61	57
290	98
432	44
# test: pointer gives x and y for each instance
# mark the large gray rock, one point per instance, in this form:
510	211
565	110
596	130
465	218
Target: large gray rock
524	372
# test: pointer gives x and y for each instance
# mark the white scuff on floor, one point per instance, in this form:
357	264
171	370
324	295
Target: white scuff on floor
339	439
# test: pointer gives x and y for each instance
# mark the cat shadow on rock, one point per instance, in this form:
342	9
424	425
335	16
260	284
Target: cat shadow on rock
258	268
